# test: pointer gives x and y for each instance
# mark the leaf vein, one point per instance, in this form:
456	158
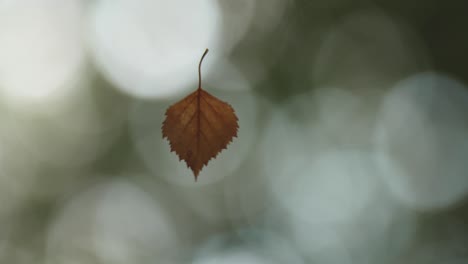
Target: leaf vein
185	126
215	111
212	128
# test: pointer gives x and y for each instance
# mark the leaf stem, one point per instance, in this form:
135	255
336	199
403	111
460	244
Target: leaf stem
199	68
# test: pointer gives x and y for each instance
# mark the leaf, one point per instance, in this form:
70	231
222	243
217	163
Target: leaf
199	127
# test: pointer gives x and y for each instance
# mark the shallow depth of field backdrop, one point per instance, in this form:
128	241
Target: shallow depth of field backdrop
352	148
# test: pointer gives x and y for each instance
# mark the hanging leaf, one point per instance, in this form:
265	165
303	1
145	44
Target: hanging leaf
199	127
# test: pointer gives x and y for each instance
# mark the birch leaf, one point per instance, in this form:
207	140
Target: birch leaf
199	127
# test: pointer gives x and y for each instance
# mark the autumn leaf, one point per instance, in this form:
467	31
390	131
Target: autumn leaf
199	127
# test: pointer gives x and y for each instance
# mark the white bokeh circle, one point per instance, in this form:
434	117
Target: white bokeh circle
150	49
422	141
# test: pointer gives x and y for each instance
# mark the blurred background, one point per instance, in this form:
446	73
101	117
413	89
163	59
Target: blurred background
352	147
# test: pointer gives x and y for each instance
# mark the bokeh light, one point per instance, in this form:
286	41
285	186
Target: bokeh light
113	222
354	53
422	137
342	191
42	50
66	135
133	44
134	47
247	246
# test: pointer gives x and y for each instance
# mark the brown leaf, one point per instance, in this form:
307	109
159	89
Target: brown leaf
199	127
